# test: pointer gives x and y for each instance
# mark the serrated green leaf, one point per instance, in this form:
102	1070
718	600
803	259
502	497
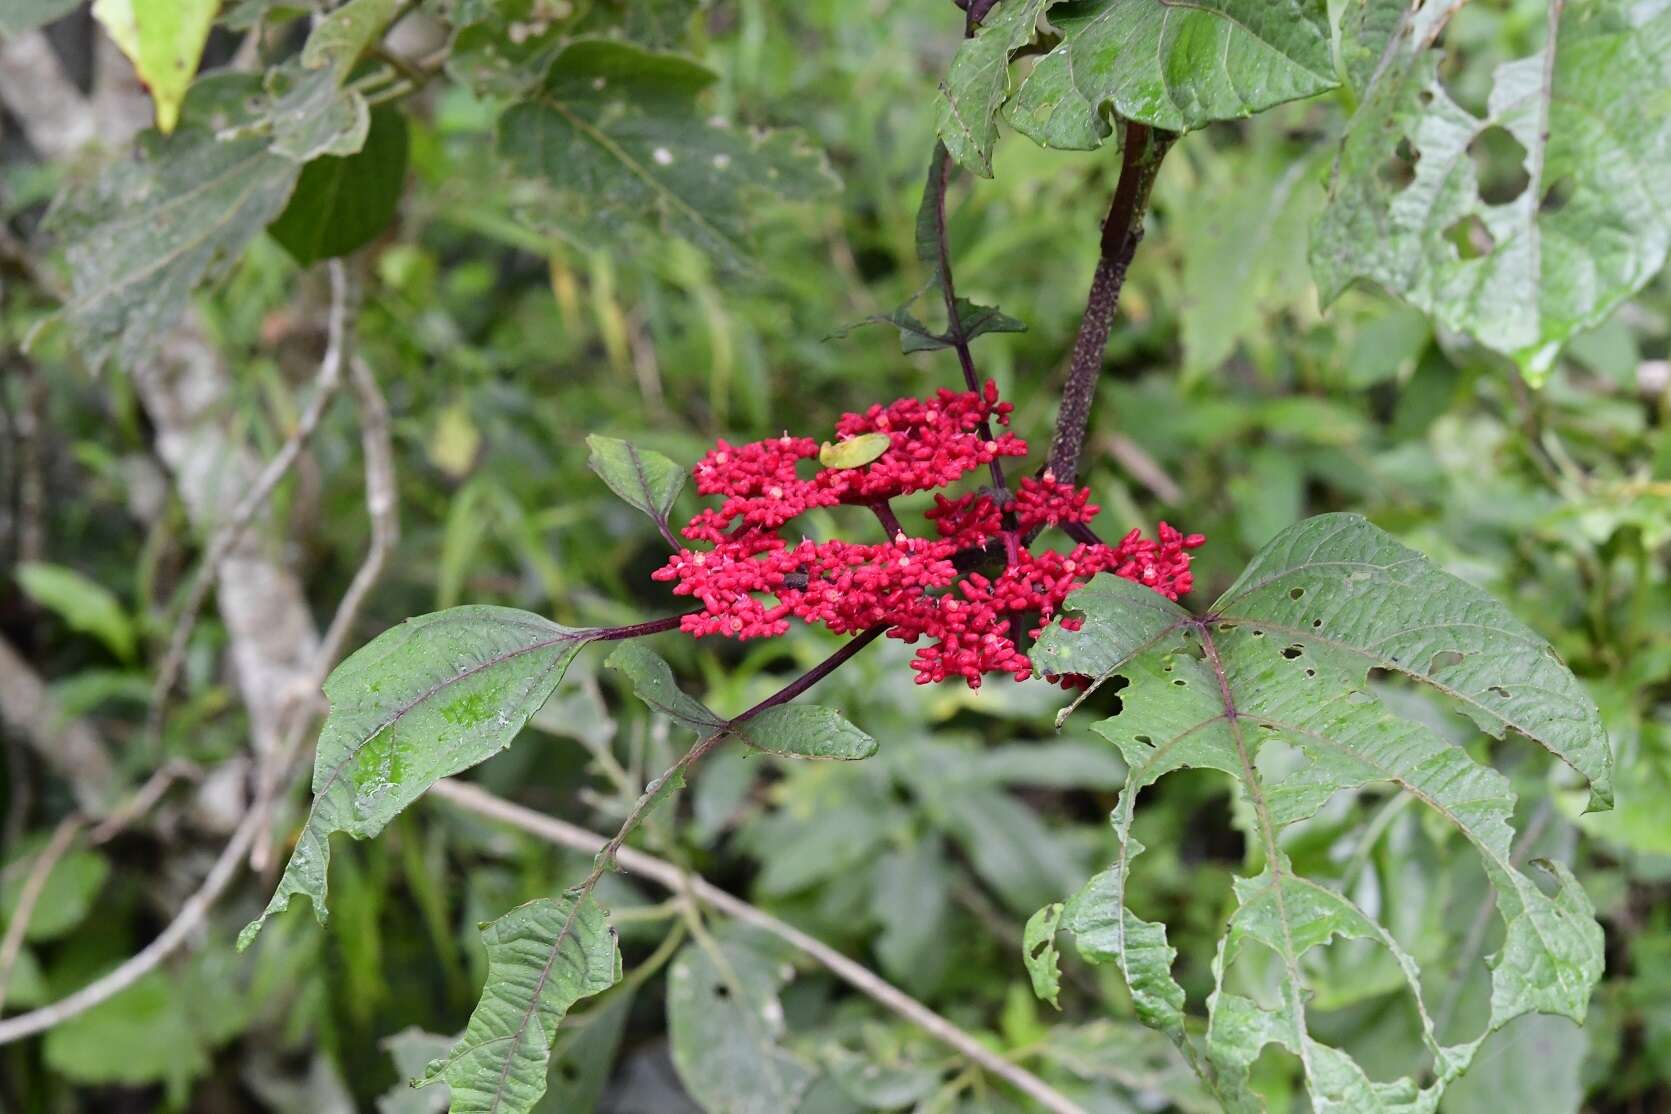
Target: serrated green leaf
1214	693
978	82
806	731
1050	110
420	702
164	40
1587	230
652	682
1038	951
542	958
1178	66
85	605
343	203
1340	585
616	130
148	230
726	1026
646	480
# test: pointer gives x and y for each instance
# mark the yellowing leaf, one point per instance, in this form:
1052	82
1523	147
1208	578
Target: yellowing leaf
456	441
164	41
855	452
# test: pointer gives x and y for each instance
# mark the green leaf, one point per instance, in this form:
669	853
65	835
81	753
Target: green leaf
148	230
806	731
420	702
1244	245
66	897
978	82
726	1026
1277	667
854	452
542	958
1038	949
582	1061
19	16
646	480
164	41
412	1049
1589	227
343	203
652	682
615	133
1344	587
1177	66
85	605
972	320
1050	110
145	1035
337	40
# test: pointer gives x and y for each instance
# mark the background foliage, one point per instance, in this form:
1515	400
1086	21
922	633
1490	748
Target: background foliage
508	314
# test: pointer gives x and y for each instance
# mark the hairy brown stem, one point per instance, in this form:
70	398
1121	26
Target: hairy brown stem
1121	233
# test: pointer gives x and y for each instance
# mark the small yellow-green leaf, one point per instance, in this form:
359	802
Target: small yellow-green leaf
164	41
855	452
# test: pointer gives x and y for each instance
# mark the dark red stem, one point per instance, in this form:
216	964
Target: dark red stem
1121	233
639	630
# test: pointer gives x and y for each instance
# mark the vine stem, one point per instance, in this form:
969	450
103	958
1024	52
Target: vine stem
665	874
33	886
222	544
701	748
1121	233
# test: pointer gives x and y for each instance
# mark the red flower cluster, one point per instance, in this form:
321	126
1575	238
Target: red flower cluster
751	582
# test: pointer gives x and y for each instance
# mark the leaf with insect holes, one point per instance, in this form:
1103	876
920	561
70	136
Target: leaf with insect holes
615	135
542	958
420	702
647	480
1521	257
978	81
1038	948
1279	666
1176	66
725	1023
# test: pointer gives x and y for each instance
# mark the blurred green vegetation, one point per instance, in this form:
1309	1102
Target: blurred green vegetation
1231	405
